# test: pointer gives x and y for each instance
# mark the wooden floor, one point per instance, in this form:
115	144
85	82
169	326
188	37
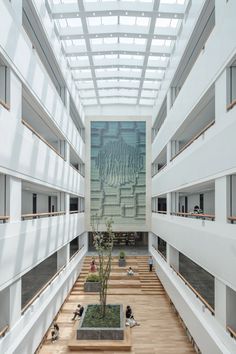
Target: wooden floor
160	331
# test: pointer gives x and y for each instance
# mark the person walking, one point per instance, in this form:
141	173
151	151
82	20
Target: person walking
150	262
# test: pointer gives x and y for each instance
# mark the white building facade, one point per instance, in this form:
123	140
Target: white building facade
44	170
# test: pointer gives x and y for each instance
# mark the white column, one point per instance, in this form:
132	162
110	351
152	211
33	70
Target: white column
67	100
168	152
2	195
221	199
230	307
220	98
168	203
14	302
220	302
172	256
67	152
63	256
15	97
13	198
67	203
168	100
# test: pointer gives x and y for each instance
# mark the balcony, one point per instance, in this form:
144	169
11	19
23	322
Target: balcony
196	202
195	126
160	162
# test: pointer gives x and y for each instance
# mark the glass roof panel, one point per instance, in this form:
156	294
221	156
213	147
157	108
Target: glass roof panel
118	55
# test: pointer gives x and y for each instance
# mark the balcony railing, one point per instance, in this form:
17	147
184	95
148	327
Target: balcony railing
197	216
3	331
36	296
159	170
231	331
231	105
193	139
40	137
5	105
208	306
42	215
232	219
159	252
4	219
77	170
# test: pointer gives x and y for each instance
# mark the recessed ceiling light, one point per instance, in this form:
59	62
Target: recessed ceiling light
110	13
93	13
125	35
142	13
126	13
77	15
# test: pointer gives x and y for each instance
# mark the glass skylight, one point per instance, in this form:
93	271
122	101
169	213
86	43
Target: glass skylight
117	55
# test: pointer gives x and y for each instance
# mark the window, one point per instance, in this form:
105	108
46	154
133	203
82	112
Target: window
4	85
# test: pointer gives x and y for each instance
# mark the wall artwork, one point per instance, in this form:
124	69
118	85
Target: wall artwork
118	171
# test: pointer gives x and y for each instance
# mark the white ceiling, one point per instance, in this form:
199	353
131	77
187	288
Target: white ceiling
118	50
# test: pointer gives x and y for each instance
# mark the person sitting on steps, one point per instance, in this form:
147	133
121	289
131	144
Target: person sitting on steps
93	267
55	333
130	321
78	312
130	271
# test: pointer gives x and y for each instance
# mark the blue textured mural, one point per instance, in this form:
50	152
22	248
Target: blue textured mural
118	176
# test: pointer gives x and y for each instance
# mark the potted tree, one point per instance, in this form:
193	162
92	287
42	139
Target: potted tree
102	321
122	260
92	283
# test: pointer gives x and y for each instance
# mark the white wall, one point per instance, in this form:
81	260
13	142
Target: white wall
29	242
34	76
207	243
26	335
209	336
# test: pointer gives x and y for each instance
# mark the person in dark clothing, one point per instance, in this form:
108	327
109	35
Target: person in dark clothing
78	312
130	321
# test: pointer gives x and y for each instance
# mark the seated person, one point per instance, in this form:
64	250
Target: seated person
130	321
78	312
130	271
55	333
93	267
197	210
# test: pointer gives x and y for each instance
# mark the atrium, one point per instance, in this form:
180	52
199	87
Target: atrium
121	109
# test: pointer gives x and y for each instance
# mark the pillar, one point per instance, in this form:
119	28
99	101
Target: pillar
168	152
168	203
13	198
220	302
2	195
63	256
67	203
221	199
172	257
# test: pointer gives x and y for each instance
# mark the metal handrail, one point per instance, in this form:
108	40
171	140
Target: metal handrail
193	139
39	215
200	216
41	138
208	306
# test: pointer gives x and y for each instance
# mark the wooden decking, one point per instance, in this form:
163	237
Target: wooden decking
160	331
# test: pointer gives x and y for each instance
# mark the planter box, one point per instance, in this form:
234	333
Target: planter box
122	262
88	333
92	287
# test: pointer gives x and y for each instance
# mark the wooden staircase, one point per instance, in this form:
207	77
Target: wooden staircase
143	281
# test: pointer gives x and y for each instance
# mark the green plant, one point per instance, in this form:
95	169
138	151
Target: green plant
103	242
122	255
93	278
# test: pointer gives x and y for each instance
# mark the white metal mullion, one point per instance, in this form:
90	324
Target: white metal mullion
88	46
148	47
